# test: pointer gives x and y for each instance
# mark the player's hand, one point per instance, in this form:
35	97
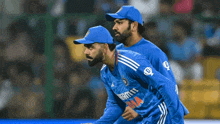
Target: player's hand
129	114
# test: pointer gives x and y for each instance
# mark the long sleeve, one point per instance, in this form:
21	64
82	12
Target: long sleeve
164	87
114	108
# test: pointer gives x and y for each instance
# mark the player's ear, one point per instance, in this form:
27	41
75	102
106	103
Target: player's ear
106	48
134	26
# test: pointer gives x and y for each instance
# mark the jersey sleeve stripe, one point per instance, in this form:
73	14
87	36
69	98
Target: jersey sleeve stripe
127	65
163	110
129	59
122	59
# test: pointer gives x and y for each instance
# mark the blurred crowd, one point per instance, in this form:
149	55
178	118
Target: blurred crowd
186	30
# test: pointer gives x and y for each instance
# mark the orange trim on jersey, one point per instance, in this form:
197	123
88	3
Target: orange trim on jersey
117	57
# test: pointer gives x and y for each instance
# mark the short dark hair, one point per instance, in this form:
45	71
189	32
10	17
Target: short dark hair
141	28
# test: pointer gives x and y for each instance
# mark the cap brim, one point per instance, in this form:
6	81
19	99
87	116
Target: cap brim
82	41
113	16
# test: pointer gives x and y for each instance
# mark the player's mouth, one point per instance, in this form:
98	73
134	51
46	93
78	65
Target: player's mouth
89	58
117	34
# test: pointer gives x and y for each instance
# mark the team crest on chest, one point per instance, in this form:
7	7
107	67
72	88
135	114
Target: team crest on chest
125	81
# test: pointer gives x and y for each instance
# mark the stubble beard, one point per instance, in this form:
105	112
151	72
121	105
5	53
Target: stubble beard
122	38
96	60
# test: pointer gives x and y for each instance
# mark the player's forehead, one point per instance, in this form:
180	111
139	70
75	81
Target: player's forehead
92	45
120	20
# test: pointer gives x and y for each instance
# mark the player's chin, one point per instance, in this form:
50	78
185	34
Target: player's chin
91	63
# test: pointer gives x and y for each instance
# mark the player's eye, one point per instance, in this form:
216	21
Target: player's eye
119	22
89	46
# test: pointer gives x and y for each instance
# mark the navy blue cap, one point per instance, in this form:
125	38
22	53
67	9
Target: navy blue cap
126	12
97	34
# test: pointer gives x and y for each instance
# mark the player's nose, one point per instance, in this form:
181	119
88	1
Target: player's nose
114	27
86	51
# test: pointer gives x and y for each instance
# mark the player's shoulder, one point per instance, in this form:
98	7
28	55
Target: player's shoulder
153	50
150	47
130	54
127	60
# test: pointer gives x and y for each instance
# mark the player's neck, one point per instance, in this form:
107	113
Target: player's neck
110	60
132	40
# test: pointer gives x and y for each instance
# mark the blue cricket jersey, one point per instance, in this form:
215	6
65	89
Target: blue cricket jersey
154	54
135	82
158	60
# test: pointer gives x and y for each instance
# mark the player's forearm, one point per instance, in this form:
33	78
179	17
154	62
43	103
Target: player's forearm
110	115
165	88
171	100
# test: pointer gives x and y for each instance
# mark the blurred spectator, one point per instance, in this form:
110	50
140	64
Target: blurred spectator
38	67
185	53
60	94
166	7
212	45
183	6
9	9
58	9
78	26
121	2
62	59
19	46
151	34
34	7
37	25
81	100
105	6
62	67
2	60
147	8
6	93
82	106
165	18
79	6
38	28
25	103
207	8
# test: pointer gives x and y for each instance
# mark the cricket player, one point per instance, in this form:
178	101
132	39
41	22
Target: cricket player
130	79
128	28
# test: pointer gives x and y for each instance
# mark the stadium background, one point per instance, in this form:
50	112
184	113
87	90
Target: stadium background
45	76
